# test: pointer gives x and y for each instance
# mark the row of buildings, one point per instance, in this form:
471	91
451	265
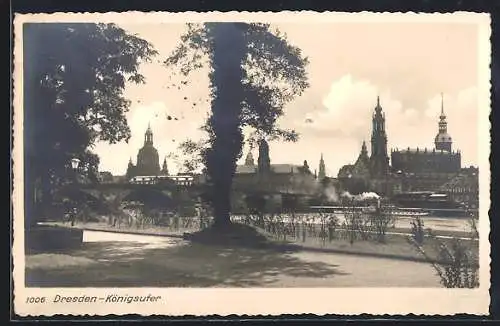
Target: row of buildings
435	169
406	170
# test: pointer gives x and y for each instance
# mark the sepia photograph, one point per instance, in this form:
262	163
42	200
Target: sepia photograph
250	152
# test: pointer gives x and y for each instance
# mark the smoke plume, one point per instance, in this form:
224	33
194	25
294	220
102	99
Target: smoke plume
331	193
361	197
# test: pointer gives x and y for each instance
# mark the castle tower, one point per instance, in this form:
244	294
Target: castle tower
322	172
443	139
379	160
249	159
264	162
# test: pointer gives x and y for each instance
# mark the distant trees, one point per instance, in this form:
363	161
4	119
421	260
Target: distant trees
254	72
74	77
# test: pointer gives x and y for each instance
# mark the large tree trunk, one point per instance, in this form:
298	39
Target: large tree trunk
222	206
229	51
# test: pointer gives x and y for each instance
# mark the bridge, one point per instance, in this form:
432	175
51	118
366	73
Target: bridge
113	194
159	192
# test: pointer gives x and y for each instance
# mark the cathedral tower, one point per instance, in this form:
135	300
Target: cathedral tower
379	160
322	172
443	139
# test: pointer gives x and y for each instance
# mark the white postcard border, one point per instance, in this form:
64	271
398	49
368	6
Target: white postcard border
257	301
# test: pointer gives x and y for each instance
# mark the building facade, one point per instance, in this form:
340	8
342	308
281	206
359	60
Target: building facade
277	180
422	161
272	177
464	187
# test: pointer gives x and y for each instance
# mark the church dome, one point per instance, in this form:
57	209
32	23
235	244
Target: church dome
148	151
443	138
148	162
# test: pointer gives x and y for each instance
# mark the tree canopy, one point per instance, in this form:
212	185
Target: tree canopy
74	78
254	73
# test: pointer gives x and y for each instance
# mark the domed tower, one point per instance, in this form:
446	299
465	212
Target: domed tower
443	139
379	160
148	162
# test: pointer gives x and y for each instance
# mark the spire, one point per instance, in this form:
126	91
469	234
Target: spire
322	172
442	106
164	168
443	140
378	108
363	155
249	159
130	169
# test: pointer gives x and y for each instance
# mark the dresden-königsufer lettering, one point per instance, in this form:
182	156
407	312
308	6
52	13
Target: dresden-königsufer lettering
111	298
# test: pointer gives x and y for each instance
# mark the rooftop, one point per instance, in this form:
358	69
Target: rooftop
422	150
276	168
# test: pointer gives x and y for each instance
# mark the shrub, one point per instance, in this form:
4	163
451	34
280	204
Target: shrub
380	222
417	230
457	267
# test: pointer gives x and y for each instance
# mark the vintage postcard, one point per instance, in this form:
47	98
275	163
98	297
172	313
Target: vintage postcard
251	163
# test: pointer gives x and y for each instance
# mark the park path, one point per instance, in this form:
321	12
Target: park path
125	260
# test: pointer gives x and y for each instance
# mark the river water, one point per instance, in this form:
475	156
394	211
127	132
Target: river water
449	224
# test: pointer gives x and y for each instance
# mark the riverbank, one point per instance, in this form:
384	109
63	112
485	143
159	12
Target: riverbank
396	245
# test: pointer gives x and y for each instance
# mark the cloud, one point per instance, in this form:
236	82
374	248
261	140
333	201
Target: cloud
347	111
408	65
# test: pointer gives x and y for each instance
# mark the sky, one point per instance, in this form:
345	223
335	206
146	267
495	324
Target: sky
408	65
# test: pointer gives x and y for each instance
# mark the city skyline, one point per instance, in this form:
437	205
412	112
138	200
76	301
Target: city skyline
323	114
